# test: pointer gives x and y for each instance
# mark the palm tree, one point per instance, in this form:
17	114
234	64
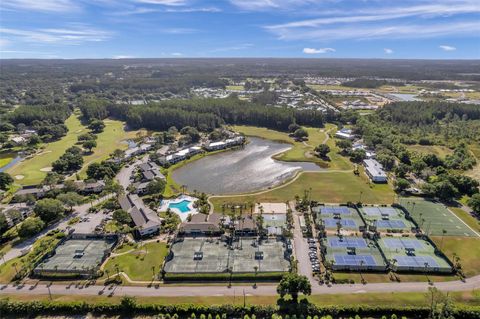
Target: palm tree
255	268
444	232
360	270
14	264
108	274
2	255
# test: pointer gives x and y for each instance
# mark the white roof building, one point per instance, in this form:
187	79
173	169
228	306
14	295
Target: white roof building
375	171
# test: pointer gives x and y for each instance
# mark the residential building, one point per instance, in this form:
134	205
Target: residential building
345	134
201	224
146	220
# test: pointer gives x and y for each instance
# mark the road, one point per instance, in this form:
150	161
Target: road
301	250
79	211
125	173
261	290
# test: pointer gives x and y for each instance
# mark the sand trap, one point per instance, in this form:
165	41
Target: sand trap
19	177
78	131
46	169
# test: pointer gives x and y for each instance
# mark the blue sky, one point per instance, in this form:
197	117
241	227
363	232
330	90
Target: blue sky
426	29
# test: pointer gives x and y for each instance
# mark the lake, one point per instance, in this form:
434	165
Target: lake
240	171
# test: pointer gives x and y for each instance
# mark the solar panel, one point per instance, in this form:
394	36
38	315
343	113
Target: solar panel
398	224
394	243
354	260
416	261
347	242
331	222
378	211
332	210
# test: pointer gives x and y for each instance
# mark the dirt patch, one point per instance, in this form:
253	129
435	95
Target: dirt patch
19	177
42	153
46	169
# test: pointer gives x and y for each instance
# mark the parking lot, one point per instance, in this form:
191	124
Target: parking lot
90	223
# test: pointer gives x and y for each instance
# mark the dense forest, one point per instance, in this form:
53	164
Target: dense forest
204	114
370	83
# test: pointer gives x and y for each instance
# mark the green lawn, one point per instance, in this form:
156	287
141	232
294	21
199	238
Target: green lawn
329	187
138	263
29	171
6	158
113	137
468	249
467	218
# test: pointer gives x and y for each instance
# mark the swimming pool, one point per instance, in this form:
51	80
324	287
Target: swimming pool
182	206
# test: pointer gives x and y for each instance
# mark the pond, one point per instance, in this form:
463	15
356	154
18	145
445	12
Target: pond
240	171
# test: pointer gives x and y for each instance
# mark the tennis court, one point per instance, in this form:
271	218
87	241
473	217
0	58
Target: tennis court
390	224
347	242
207	255
332	222
380	211
434	218
349	253
332	210
411	254
416	261
355	260
394	243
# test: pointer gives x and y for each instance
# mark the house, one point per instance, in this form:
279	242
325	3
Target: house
150	171
90	187
179	156
201	224
230	142
375	171
140	188
37	191
146	220
16	212
345	134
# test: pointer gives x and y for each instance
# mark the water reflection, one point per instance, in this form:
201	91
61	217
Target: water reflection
240	171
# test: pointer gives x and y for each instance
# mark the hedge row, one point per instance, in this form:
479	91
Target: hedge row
128	305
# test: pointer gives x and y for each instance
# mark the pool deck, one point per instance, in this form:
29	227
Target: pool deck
165	204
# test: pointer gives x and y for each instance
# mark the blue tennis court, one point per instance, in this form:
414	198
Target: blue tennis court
332	222
335	210
394	243
379	211
354	260
347	242
416	261
390	224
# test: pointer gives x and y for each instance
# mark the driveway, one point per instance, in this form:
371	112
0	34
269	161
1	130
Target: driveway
301	249
125	173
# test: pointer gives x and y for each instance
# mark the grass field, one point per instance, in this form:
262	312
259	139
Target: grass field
468	249
113	137
138	263
235	298
436	218
471	221
30	168
6	158
329	187
439	150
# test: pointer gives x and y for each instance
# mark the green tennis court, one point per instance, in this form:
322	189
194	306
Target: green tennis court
433	217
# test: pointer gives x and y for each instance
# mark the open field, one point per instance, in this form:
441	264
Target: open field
439	150
373	299
329	187
30	168
471	221
113	137
468	249
5	158
138	263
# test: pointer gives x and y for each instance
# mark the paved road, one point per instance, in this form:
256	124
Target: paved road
123	176
79	211
262	290
301	250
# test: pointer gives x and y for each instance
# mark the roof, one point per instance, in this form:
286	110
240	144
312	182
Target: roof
374	168
199	226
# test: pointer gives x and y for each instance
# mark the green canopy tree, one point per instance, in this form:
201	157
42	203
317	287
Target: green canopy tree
293	284
49	209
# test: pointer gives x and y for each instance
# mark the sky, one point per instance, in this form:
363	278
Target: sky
389	29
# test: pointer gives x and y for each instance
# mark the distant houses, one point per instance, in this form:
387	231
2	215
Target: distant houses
345	134
375	171
178	156
215	146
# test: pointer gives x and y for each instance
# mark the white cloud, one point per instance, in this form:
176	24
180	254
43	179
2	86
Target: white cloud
388	51
4	43
318	51
233	48
261	5
177	54
40	5
447	48
75	35
164	2
432	18
118	57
